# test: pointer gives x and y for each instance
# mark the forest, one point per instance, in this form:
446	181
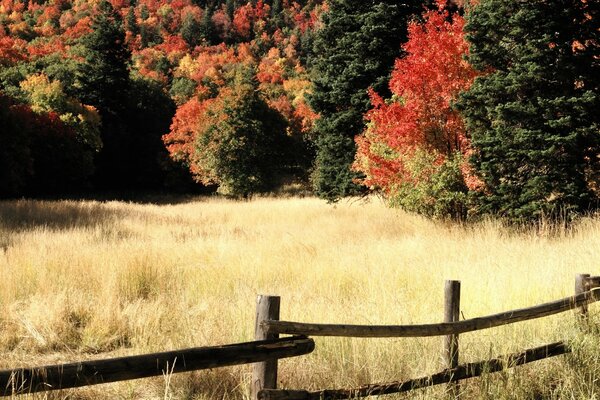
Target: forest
452	110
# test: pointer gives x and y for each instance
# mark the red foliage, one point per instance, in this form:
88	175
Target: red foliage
420	115
82	27
180	139
51	14
261	10
174	47
210	62
12	50
222	23
270	69
242	21
41	48
303	19
119	4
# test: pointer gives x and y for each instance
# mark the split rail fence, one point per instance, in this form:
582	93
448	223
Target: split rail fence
268	325
268	348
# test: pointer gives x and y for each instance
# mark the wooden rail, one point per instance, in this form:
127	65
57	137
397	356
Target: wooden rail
440	329
587	291
54	377
461	372
268	348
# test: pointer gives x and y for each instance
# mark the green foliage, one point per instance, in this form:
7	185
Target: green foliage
206	30
182	89
534	117
132	25
354	50
241	146
436	190
190	30
103	77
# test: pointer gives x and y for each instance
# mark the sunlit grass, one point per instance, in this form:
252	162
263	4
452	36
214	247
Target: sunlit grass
89	279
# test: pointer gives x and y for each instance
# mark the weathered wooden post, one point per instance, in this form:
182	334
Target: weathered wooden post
264	375
581	286
451	314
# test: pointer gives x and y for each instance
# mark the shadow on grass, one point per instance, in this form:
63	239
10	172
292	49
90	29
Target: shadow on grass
19	215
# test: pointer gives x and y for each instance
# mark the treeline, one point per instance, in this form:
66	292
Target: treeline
119	82
451	110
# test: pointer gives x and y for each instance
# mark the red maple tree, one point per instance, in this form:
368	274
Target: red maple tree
419	117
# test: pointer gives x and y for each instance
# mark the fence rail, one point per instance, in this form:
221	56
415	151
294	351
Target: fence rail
440	329
461	372
587	291
87	373
265	352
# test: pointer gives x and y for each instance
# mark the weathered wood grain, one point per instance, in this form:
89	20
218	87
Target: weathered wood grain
459	373
439	329
451	314
264	374
53	377
582	286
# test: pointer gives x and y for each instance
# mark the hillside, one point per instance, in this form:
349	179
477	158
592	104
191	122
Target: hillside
113	77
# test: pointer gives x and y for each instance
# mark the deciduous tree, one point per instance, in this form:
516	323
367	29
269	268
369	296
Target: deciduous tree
355	49
415	146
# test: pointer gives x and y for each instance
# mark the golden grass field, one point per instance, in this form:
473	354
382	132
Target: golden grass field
85	280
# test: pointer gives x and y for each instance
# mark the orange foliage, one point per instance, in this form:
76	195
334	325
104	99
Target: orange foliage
420	116
82	27
243	19
12	50
41	48
270	69
174	47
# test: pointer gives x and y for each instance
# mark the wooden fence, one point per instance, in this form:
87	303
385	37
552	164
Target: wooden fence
268	348
87	373
268	325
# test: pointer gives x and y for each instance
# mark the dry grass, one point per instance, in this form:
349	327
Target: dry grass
89	279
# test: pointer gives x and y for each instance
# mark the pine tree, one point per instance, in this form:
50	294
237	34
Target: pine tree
190	30
277	20
354	50
534	117
230	7
206	29
103	82
104	74
132	25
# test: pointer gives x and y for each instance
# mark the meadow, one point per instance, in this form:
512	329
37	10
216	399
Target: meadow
89	279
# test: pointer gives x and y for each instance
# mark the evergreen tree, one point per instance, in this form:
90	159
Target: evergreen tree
355	50
206	29
534	117
132	25
190	30
230	8
104	74
104	83
277	20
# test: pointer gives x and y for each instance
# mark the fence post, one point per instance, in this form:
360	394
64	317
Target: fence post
581	286
451	314
264	374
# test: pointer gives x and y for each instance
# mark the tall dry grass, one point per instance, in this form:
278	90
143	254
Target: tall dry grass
89	279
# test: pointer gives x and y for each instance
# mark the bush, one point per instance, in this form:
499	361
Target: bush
436	190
